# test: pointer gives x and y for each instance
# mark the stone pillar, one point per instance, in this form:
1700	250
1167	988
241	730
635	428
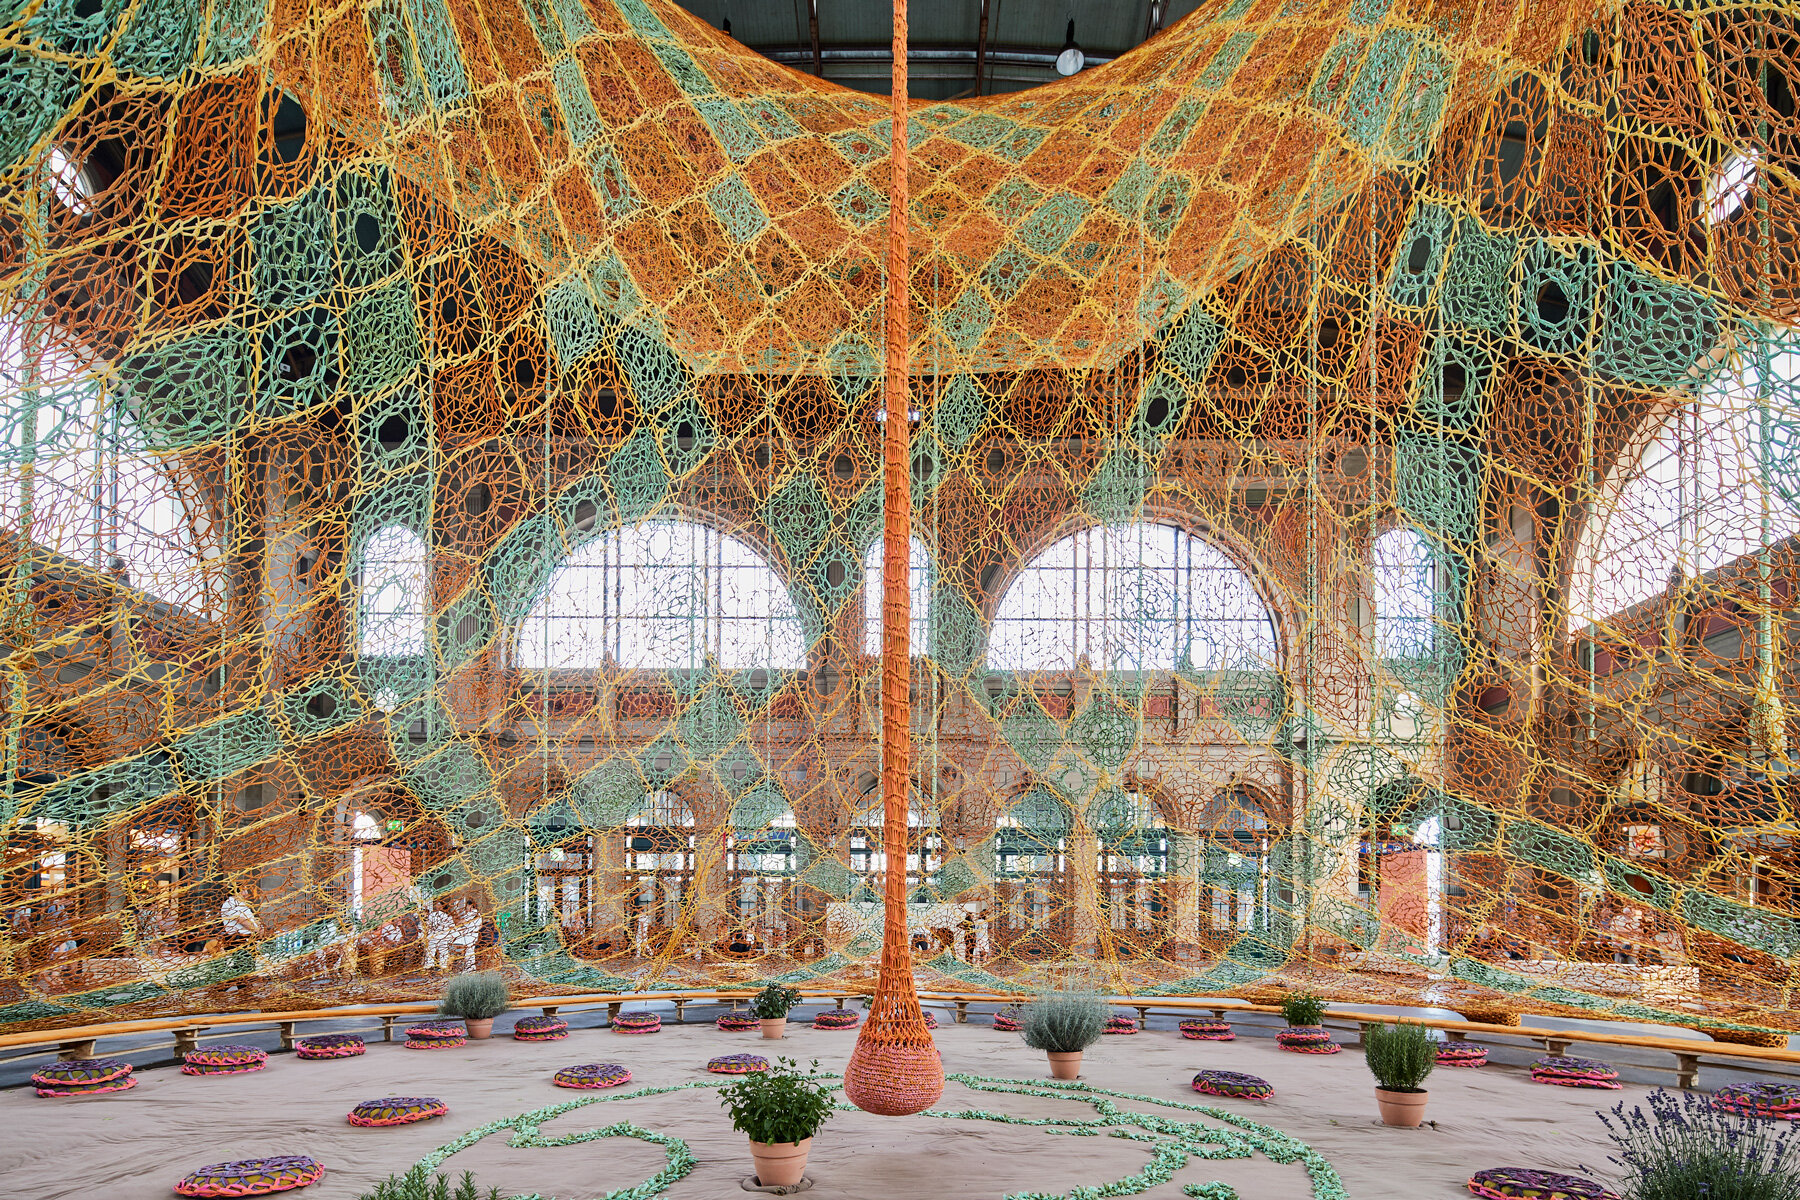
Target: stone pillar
1185	850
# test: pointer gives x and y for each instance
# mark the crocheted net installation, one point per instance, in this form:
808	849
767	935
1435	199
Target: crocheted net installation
1311	500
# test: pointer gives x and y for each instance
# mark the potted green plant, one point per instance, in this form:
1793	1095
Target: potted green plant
1063	1024
771	1006
477	999
1400	1056
779	1110
1304	1014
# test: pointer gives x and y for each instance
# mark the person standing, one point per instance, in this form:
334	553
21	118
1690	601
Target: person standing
467	931
439	930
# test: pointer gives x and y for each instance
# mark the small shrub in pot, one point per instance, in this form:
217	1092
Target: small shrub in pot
1063	1024
779	1110
1400	1056
477	999
771	1006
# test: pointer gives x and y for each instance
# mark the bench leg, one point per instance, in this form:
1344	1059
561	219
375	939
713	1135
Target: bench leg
79	1049
612	1012
1455	1035
840	1001
186	1041
387	1029
1687	1070
550	1009
1142	1009
1557	1046
962	1012
681	1012
287	1034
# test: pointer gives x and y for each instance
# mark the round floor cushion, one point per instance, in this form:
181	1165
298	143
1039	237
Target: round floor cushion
1777	1101
540	1029
1121	1024
1007	1020
1461	1054
592	1075
1236	1084
931	1021
835	1018
1574	1072
737	1064
224	1060
1207	1030
83	1077
252	1176
330	1045
637	1022
1523	1183
435	1035
1306	1039
738	1022
397	1110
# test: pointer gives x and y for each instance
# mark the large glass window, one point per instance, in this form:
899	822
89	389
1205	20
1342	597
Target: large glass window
1406	586
918	581
1137	597
1699	495
394	593
663	595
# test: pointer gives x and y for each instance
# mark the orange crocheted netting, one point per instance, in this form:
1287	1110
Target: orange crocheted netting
895	1070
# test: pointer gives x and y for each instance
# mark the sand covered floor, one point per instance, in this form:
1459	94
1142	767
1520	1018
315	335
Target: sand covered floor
133	1145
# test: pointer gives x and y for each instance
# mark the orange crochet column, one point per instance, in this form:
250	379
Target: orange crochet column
895	1070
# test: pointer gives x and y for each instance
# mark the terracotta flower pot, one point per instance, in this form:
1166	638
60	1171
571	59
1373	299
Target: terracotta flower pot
1405	1109
779	1164
775	1028
1064	1065
479	1027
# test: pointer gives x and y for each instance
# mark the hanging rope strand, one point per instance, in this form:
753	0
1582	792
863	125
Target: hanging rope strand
895	1070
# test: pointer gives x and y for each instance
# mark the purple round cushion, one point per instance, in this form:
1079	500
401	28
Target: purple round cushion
1563	1071
738	1022
436	1029
637	1022
592	1075
252	1176
540	1029
1207	1031
330	1045
737	1064
836	1018
1306	1039
1523	1183
1119	1023
397	1110
224	1060
1461	1054
930	1020
81	1071
1007	1020
1235	1084
1777	1101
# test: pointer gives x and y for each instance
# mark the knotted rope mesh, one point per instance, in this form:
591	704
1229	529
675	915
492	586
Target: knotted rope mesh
1351	464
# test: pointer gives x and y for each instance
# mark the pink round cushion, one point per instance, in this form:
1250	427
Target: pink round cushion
1119	1023
592	1075
836	1018
1562	1071
1007	1020
1524	1183
1234	1084
252	1176
1461	1054
1775	1101
436	1035
397	1110
1306	1039
738	1022
737	1064
1206	1030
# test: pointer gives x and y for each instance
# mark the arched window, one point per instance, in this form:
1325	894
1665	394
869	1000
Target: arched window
392	594
924	842
1701	493
1139	597
664	595
918	581
97	497
1406	590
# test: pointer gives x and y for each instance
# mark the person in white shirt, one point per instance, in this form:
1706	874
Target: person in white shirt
439	929
468	931
238	919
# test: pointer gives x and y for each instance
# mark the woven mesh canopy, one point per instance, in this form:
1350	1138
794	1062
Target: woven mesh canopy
532	486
